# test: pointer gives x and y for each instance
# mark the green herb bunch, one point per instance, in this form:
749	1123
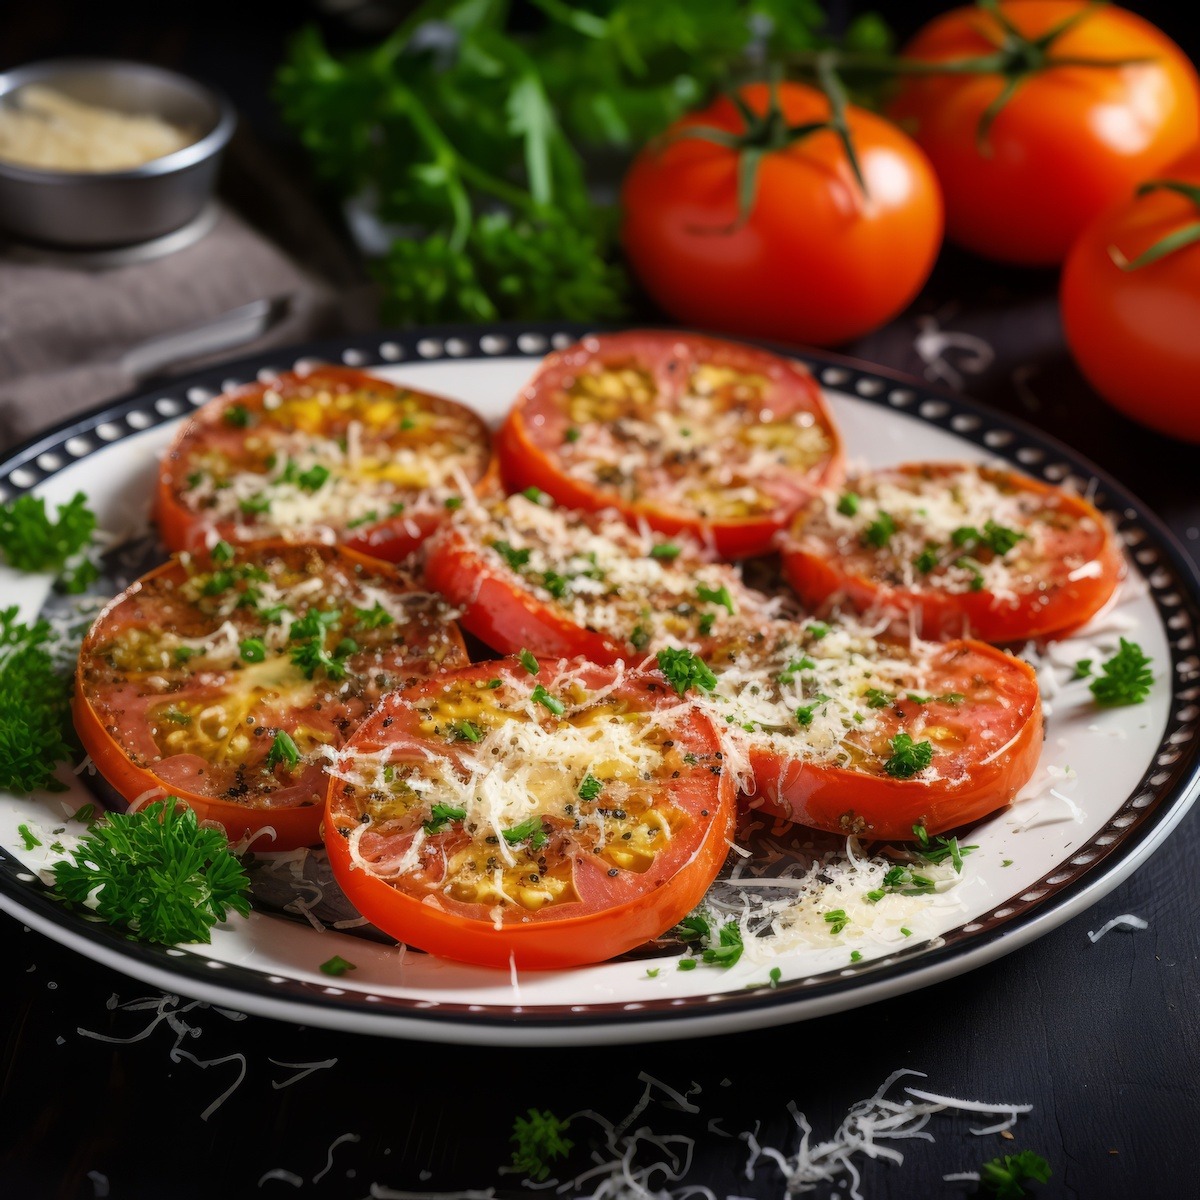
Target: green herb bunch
156	874
34	707
477	142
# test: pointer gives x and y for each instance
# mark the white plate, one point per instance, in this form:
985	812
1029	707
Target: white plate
1042	861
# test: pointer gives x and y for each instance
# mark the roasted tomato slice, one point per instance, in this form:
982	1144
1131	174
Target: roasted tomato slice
836	729
230	681
528	574
684	433
547	819
327	455
958	550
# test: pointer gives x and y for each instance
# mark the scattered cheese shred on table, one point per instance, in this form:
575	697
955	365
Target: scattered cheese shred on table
1125	920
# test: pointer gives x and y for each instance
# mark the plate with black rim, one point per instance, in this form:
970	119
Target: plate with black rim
1110	787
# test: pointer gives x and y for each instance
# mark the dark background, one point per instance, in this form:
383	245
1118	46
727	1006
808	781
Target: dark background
1103	1039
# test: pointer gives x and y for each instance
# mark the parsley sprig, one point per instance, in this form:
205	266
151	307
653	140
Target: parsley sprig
1125	678
1004	1175
155	874
684	670
32	541
33	707
537	1141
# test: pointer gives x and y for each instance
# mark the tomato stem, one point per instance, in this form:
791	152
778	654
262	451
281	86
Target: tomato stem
1185	235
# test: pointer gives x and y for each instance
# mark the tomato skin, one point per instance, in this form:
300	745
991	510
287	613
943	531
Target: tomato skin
294	825
543	939
819	574
507	619
527	444
1071	140
869	805
391	539
815	262
1133	333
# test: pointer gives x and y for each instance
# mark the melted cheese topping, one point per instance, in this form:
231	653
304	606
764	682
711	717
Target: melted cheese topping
520	794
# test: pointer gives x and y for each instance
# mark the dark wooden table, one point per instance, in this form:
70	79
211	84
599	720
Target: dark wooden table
109	1088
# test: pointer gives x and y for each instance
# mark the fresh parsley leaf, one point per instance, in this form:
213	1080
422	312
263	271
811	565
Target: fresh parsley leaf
695	926
466	731
34	707
879	532
926	561
530	831
1125	678
528	662
729	946
817	630
337	965
590	787
539	695
684	670
156	874
666	551
719	596
535	495
440	815
237	415
31	541
639	637
908	758
537	1141
804	714
516	559
1000	539
283	750
311	656
373	618
1004	1175
877	699
848	504
1083	668
314	478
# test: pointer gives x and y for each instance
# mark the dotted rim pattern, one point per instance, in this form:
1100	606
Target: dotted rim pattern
1167	789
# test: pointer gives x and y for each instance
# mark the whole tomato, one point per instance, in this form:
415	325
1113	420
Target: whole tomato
1065	141
1133	332
810	257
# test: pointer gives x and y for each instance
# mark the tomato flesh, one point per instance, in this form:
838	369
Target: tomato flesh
204	679
471	820
924	543
686	434
849	733
327	455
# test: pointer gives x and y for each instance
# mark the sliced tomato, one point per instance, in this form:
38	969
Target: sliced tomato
684	433
227	682
529	574
537	820
325	455
838	730
956	549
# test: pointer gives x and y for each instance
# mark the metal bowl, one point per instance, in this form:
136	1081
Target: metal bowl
92	209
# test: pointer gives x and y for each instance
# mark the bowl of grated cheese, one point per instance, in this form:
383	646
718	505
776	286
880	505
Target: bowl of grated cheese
98	153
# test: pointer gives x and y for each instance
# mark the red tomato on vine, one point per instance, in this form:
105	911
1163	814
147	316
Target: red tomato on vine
1039	114
755	216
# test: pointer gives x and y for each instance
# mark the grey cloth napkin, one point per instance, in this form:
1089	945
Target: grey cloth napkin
64	329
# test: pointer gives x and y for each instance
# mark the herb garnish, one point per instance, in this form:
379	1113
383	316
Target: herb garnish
539	695
537	1141
528	662
31	541
337	965
442	814
530	831
1126	677
684	670
1004	1175
283	750
908	757
156	874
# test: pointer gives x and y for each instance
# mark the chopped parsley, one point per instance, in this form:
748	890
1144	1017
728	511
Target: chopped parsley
908	758
684	670
789	673
373	618
1126	678
222	552
311	655
34	707
313	624
706	623
528	662
314	478
258	503
837	920
817	630
453	502
967	564
283	750
516	559
535	495
1004	1175
804	714
368	518
1083	668
999	539
237	415
847	505
440	815
539	695
719	596
28	837
572	435
195	879
530	831
877	699
879	532
466	731
590	787
926	561
537	1141
639	637
253	650
728	948
337	965
666	551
